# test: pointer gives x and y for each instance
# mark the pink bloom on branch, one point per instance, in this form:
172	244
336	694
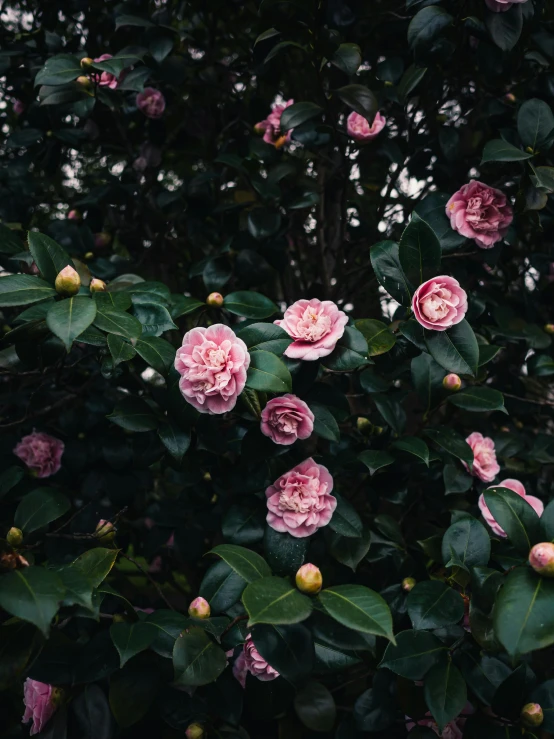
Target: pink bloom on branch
40	704
286	419
212	363
271	126
299	502
500	6
315	326
251	661
358	127
517	487
480	212
107	79
41	453
151	102
440	303
485	466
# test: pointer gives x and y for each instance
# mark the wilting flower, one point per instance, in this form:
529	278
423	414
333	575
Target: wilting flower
315	327
287	418
485	466
251	661
517	487
439	303
41	453
41	702
480	212
358	127
151	102
271	126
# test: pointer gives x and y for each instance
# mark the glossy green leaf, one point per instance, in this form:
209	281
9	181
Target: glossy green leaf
49	256
426	25
360	99
299	113
156	352
283	552
375	460
288	649
23	289
347	58
385	261
515	516
39	508
358	607
69	318
505	28
347	550
535	124
412	445
272	600
432	604
345	520
134	414
325	424
265	336
95	564
378	336
249	565
32	594
154	318
456	349
478	399
197	659
268	373
349	353
222	587
59	70
120	350
466	544
168	625
413	655
445	692
132	638
451	442
249	304
114	321
499	150
419	251
315	707
175	439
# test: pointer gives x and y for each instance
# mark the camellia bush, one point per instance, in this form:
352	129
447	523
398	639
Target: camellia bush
276	369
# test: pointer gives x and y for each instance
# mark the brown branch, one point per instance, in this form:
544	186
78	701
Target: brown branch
234	622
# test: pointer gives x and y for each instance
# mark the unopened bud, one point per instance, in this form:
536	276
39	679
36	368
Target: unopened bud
105	531
119	618
532	715
200	608
215	300
195	731
541	558
549	328
97	286
14	537
84	82
309	579
74	215
68	282
364	425
408	583
86	62
509	97
102	239
452	382
259	129
529	150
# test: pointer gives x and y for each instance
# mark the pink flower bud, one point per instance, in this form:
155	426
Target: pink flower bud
97	285
509	97
452	382
199	608
408	583
532	715
215	299
541	558
549	328
14	537
102	239
195	731
105	531
74	215
309	579
68	282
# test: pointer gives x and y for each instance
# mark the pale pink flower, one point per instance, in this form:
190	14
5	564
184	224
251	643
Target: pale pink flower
480	212
151	102
315	326
287	418
40	704
107	79
517	487
485	466
212	363
18	107
358	127
251	661
439	303
299	502
41	453
500	6
271	126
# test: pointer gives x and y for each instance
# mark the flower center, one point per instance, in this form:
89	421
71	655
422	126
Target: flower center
313	325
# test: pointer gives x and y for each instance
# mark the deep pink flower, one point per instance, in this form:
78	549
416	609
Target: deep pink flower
212	363
439	303
517	487
480	212
151	102
18	107
271	126
500	6
485	466
41	453
315	326
299	502
107	79
358	127
40	704
251	661
286	419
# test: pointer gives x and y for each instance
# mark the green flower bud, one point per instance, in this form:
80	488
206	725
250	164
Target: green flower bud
215	300
532	715
408	583
309	579
68	282
14	537
195	731
200	608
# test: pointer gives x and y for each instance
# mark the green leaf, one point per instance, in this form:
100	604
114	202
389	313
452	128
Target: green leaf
49	256
175	439
374	460
23	289
299	113
385	261
456	349
377	334
120	61
268	373
360	99
182	306
131	638
419	251
478	399
154	318
9	478
515	516
432	605
95	564
433	211
284	553
10	242
541	365
445	692
288	649
158	353
325	424
427	377
499	150
347	550
315	707
347	58
487	353
505	28
249	304
132	691
39	508
415	446
350	352
455	480
114	321
359	608
32	594
535	124
523	614
78	588
120	350
221	587
168	626
59	70
547	522
413	655
345	521
249	565
265	336
410	80
466	544
134	414
69	318
263	222
426	26
197	659
391	411
543	177
451	442
272	600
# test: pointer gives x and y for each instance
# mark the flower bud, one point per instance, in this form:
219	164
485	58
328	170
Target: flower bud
363	425
102	239
408	583
509	97
309	579
14	537
199	608
452	382
195	731
120	618
215	299
68	282
105	531
549	328
97	286
74	215
84	82
86	62
541	558
532	715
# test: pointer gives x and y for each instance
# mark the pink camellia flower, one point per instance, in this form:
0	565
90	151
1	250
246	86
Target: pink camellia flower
271	126
18	107
286	419
40	703
251	661
517	487
315	326
299	502
358	127
212	363
41	453
439	303
480	212
107	79
485	466
453	730
151	102
500	6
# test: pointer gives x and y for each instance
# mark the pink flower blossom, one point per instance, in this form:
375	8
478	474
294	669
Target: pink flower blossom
107	79
40	704
41	453
18	107
212	363
151	102
358	127
480	212
439	303
315	326
453	730
517	487
500	6
271	126
251	661
286	419
485	466
299	502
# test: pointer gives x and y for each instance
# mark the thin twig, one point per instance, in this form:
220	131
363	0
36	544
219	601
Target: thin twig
530	400
149	577
234	622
